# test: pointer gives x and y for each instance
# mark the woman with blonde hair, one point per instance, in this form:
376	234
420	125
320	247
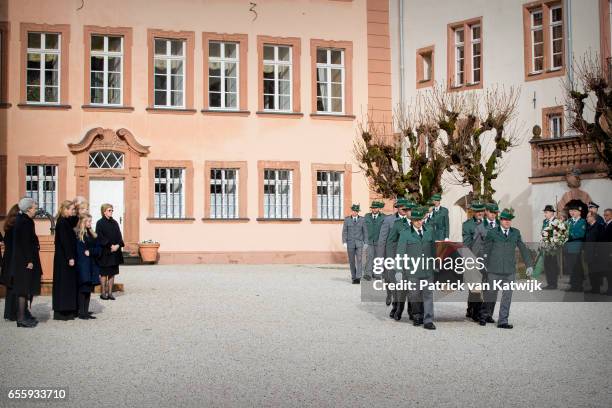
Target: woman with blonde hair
87	250
64	273
111	241
82	206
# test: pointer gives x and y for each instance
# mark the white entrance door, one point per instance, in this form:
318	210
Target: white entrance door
106	191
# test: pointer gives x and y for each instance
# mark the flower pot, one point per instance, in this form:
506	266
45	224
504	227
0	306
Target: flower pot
148	252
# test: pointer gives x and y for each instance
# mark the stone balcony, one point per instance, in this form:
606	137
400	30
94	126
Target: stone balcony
551	159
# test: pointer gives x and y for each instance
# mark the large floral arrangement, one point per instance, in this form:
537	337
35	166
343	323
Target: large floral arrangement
554	236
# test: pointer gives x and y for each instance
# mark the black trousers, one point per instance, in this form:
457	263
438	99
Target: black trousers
573	268
551	269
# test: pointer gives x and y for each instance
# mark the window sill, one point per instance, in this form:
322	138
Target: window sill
262	219
171	220
290	115
327	220
181	111
43	106
549	73
466	87
208	219
107	108
332	116
221	112
5	105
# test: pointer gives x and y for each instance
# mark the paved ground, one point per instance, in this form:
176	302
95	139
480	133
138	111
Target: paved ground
200	336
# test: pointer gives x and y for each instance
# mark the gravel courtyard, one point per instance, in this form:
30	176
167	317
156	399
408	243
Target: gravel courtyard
281	335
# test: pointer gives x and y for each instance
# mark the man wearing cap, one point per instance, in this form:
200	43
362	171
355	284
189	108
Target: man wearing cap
573	248
385	229
418	242
500	261
468	231
551	262
373	221
593	209
400	224
354	235
440	219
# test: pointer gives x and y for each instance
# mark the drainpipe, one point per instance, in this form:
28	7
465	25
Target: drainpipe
401	52
570	49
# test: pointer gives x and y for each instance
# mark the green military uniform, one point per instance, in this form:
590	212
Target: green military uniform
468	232
500	253
439	220
573	251
373	223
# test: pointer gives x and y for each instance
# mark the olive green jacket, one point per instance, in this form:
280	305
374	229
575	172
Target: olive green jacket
467	231
411	244
373	226
399	225
439	221
500	251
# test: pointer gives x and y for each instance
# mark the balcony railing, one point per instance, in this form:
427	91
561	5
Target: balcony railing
555	157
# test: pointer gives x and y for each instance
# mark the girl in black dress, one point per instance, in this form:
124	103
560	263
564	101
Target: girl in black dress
87	251
111	241
25	263
64	261
6	279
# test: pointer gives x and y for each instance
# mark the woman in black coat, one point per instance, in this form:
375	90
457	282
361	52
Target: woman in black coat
111	241
25	263
6	278
64	261
87	250
593	252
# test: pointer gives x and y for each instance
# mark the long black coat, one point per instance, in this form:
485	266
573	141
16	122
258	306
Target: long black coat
109	234
65	279
26	249
89	271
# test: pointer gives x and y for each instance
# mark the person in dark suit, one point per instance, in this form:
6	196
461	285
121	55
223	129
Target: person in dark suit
593	209
468	232
25	263
606	239
87	250
111	241
551	260
573	249
64	295
6	279
592	251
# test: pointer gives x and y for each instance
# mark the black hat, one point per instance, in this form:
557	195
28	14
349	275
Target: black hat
593	205
549	207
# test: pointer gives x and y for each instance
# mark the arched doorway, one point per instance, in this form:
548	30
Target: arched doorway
107	169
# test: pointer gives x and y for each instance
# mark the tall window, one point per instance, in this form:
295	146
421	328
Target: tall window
278	189
169	192
556	37
223	75
169	64
537	41
555	125
224	193
277	77
43	68
330	194
330	80
476	53
41	185
106	70
459	57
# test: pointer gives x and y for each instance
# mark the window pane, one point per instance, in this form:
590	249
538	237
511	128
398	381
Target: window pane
283	53
114	44
322	74
336	90
33	94
114	64
160	66
114	80
214	84
536	18
336	75
176	67
268	87
459	36
230	69
33	77
322	104
284	102
51	94
336	57
114	96
557	32
97	63
557	60
161	82
268	52
230	50
160	98
538	36
177	98
34	61
214	68
214	100
322	89
214	49
51	61
176	83
97	79
557	14
476	32
321	56
284	87
51	41
230	85
51	78
34	40
97	43
538	50
231	100
284	72
336	105
160	47
176	47
269	102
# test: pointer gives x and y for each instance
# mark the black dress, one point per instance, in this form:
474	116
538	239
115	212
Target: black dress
87	267
10	301
109	234
65	283
26	282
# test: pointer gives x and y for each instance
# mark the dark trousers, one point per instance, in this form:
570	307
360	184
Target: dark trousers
10	305
573	268
490	297
551	269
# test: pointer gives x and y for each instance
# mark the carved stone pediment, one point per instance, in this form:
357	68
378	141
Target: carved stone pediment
99	138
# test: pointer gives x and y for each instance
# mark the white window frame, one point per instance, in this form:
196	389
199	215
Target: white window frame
105	54
43	52
275	208
534	29
223	60
276	63
459	62
334	202
41	191
224	207
168	181
328	84
473	44
555	125
552	40
168	57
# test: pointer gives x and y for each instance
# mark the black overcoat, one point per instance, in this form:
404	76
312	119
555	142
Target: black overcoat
109	234
65	279
26	249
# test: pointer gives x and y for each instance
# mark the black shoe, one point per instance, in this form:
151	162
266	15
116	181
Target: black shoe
429	326
489	320
550	287
399	311
84	317
504	326
358	281
63	316
91	316
111	297
417	322
104	297
482	322
26	323
393	310
388	299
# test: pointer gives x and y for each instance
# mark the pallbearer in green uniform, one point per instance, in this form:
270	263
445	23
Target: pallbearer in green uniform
385	229
489	222
500	260
354	236
373	221
573	249
418	242
440	219
469	234
551	263
399	225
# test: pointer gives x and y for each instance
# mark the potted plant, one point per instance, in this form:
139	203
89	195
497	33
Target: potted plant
148	250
